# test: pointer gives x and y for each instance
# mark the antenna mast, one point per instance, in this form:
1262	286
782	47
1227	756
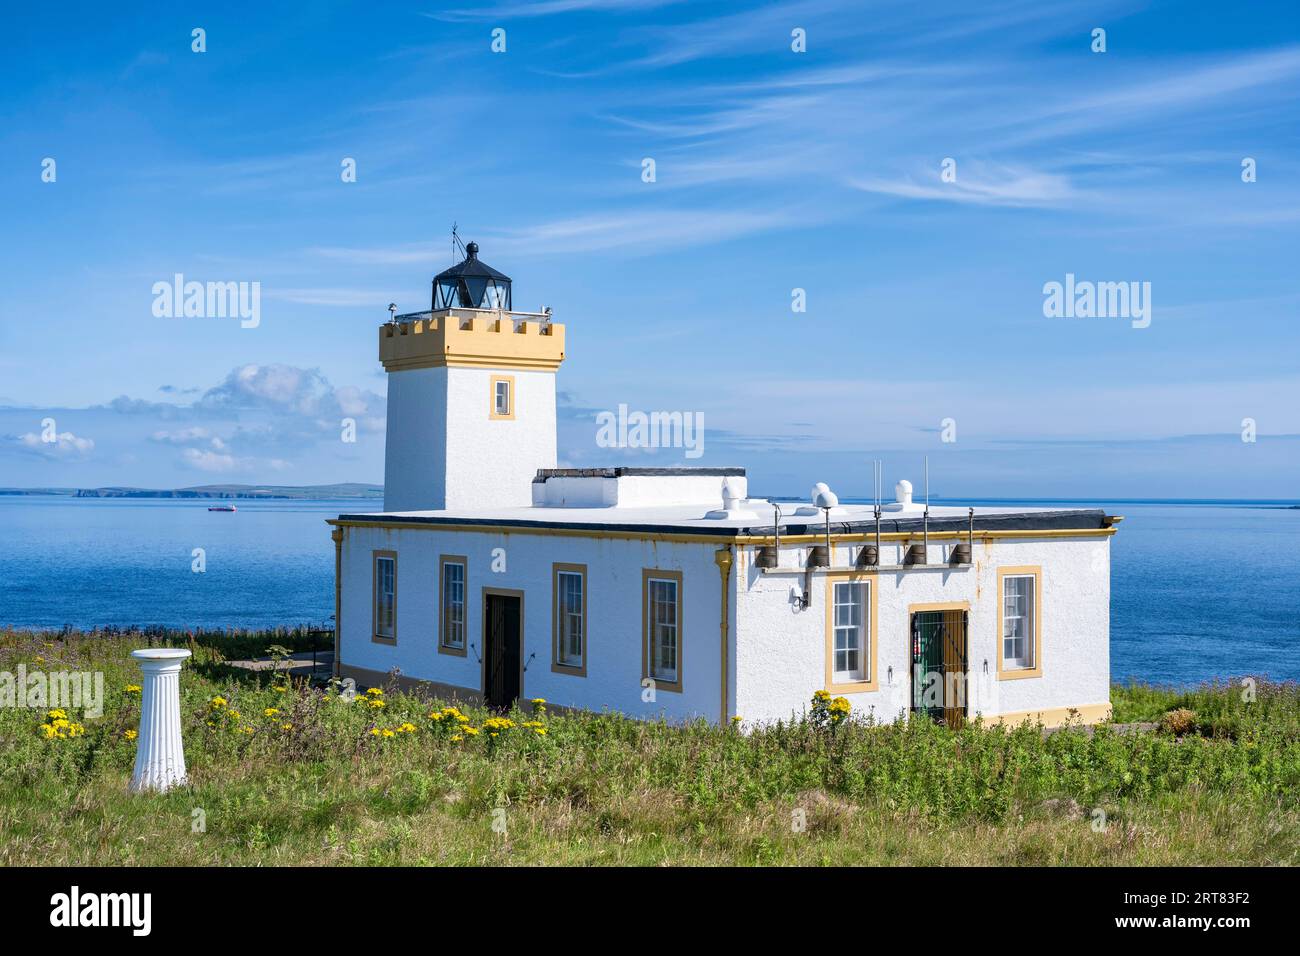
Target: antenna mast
456	245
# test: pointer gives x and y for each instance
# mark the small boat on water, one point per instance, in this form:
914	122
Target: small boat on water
222	508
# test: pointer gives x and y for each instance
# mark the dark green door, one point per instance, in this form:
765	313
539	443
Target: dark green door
939	665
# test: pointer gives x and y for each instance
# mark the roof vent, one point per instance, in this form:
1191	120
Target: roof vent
733	502
903	494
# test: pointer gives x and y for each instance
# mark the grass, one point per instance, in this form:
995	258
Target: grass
318	783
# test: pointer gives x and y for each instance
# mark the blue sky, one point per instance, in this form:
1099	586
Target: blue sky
775	170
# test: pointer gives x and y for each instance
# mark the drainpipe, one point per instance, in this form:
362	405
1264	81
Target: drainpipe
723	559
337	537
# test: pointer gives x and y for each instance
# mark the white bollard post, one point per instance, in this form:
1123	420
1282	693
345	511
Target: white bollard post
159	755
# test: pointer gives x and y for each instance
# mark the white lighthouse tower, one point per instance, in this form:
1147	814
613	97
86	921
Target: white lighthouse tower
471	395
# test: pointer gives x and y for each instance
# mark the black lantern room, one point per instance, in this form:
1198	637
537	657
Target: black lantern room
471	284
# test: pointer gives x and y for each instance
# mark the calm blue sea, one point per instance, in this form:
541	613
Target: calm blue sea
1198	591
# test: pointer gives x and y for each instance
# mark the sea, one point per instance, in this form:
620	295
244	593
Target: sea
1199	590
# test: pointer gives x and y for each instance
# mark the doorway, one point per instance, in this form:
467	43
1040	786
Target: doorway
939	681
503	614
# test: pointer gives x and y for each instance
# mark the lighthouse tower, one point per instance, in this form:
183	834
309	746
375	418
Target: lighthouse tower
471	395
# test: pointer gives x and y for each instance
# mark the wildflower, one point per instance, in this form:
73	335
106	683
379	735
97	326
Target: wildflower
133	689
374	731
472	731
821	695
376	704
60	728
406	728
278	689
388	733
737	719
286	726
540	731
58	713
216	703
458	737
375	692
437	716
248	730
130	734
271	712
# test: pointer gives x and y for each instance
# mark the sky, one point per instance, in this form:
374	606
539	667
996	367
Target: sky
916	174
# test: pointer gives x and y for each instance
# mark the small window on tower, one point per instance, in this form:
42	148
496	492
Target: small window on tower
503	396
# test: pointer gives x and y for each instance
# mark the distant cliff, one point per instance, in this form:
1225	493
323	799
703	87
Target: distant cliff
344	490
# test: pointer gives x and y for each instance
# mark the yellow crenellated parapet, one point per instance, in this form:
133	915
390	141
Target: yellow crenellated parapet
462	339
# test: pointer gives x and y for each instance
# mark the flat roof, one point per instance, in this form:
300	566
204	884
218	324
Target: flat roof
633	472
689	519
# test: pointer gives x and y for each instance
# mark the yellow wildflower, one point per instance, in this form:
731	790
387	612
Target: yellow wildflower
130	734
271	712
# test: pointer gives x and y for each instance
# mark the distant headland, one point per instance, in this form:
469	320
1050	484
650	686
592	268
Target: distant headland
303	492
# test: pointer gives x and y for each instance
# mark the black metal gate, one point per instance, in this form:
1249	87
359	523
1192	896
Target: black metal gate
502	650
939	664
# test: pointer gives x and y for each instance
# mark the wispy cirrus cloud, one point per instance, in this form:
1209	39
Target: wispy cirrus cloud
985	187
547	8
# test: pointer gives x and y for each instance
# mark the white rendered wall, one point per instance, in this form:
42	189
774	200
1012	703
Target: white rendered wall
415	463
634	491
492	463
781	652
445	451
614	593
777	662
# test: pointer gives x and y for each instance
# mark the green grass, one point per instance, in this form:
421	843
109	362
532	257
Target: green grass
601	789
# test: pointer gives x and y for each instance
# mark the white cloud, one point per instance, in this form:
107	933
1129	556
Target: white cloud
65	446
181	436
984	186
208	460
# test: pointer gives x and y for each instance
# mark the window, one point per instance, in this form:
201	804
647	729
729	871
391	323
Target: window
385	597
1018	622
451	602
662	623
850	631
851	614
569	590
503	397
